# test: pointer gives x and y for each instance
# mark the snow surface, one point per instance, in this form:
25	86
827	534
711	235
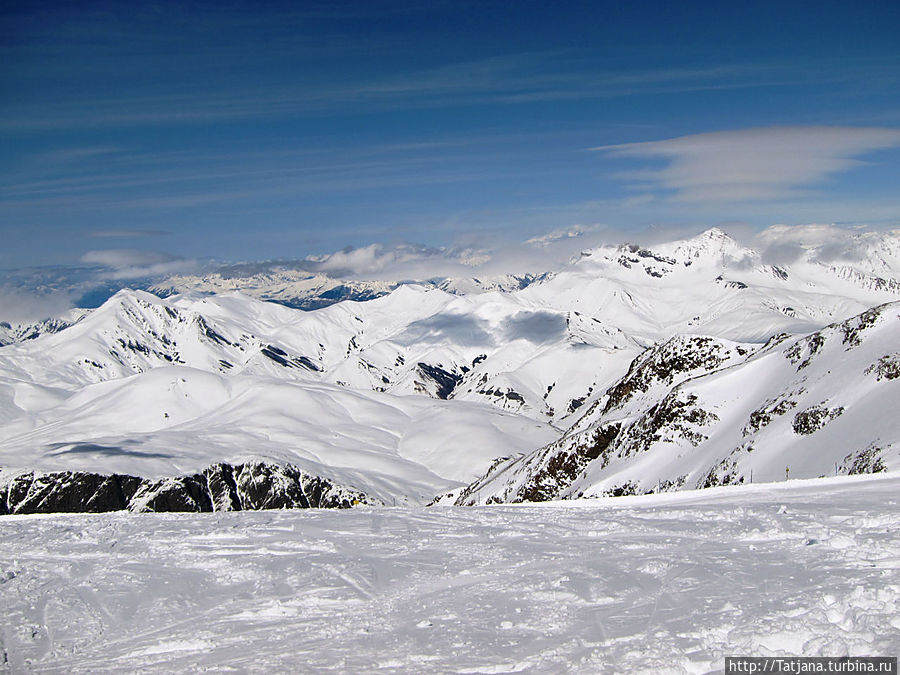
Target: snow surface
656	584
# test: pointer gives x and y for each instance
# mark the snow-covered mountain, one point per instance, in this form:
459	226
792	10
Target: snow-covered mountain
157	388
629	369
29	330
696	412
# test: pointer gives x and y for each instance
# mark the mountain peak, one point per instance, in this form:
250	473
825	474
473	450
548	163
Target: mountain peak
713	246
714	233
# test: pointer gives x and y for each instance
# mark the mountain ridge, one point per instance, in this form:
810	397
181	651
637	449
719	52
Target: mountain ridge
418	391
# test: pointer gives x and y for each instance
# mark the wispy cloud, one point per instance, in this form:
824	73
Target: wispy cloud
124	233
768	163
126	263
74	155
510	79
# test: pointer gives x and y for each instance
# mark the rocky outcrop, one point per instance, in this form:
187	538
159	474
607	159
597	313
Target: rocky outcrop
252	486
67	492
814	418
443	381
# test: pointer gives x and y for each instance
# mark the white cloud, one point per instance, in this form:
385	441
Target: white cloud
825	243
125	263
22	306
486	257
403	261
563	233
767	163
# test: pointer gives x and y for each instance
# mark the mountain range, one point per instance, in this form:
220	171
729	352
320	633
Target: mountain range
631	369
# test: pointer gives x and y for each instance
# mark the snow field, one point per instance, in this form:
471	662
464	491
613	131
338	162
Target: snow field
668	583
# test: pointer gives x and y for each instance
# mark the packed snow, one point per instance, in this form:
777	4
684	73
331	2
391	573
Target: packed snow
663	583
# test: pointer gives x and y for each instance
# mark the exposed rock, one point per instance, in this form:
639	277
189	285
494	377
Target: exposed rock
812	419
762	416
855	326
69	492
564	466
446	381
886	368
626	489
664	362
668	485
675	416
221	487
184	493
725	472
575	404
866	461
223	490
803	350
268	486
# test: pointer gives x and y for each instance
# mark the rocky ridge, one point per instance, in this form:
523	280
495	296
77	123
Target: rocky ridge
250	486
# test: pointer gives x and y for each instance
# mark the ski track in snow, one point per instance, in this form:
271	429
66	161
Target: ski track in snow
667	583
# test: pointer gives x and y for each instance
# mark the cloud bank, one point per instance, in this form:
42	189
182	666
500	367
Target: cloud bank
768	163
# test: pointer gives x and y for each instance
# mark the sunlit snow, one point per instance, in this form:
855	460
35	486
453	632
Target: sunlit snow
668	583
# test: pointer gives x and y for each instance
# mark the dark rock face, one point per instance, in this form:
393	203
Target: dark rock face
726	472
804	350
68	492
563	467
866	461
886	368
223	490
282	358
446	381
812	419
626	489
675	416
268	486
854	327
221	487
185	493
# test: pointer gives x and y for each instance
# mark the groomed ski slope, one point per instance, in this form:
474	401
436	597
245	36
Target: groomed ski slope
662	583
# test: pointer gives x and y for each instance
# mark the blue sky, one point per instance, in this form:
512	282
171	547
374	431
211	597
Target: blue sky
136	135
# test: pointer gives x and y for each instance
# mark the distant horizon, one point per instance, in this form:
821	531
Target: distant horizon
35	293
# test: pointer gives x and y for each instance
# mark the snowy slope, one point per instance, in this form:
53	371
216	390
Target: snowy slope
696	412
657	584
174	420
